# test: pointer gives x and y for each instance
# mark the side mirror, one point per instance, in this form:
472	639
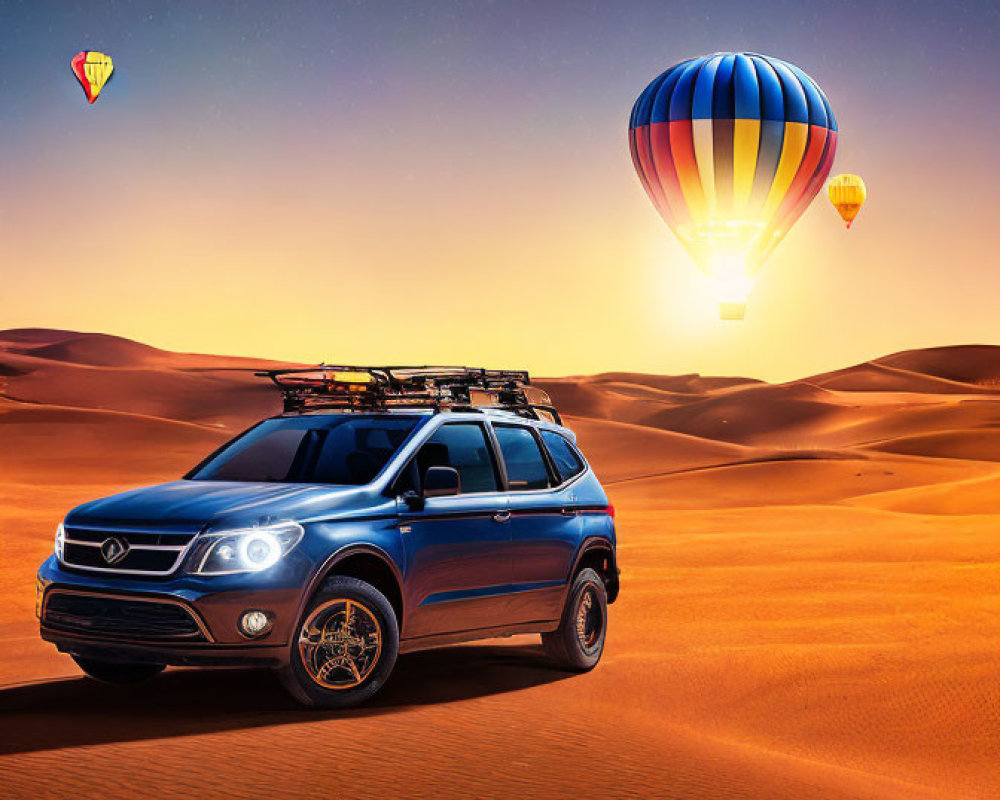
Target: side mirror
414	500
442	482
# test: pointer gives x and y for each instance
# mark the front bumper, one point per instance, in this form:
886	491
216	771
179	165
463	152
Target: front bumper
214	605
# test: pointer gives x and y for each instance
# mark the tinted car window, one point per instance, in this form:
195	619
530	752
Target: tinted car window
524	461
465	447
567	462
342	449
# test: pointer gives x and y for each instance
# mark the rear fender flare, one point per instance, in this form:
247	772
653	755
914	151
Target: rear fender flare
590	545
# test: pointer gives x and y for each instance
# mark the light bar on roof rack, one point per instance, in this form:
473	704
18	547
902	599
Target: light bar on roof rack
354	388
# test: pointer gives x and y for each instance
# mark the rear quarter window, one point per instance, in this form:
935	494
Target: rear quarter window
522	457
568	462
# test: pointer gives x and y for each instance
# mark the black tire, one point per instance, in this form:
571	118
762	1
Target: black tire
116	671
331	668
578	647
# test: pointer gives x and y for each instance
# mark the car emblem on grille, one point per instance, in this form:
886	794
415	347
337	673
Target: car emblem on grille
114	550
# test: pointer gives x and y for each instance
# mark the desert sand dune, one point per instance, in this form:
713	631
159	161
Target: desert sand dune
103	350
693	383
75	445
632	397
976	494
760	414
792	479
107	372
632	392
897	417
808	603
36	336
878	376
981	444
973	363
227	399
580	399
957	368
97	350
798	414
653	452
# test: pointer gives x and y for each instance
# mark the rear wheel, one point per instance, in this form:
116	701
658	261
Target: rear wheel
345	646
578	642
117	672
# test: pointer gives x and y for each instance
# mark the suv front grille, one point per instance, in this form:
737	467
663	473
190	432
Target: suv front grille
147	552
108	615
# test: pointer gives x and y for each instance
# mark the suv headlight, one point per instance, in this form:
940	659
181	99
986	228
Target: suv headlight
60	541
244	549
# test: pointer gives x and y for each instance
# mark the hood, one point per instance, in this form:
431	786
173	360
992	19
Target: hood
191	505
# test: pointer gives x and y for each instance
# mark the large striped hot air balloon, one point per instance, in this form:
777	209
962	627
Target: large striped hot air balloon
731	149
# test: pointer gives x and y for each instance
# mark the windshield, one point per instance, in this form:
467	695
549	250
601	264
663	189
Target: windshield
343	449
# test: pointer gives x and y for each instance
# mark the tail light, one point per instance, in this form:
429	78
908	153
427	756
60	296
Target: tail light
610	511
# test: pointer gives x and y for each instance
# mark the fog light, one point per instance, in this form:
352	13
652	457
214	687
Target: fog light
255	623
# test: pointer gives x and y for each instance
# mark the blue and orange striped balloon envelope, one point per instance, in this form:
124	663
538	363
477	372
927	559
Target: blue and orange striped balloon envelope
731	148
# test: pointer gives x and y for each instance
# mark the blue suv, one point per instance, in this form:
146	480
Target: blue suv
387	510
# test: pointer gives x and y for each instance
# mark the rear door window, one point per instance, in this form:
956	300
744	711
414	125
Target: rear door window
523	458
564	456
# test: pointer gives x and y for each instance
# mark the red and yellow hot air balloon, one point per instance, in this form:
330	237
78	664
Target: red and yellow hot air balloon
93	70
731	148
847	195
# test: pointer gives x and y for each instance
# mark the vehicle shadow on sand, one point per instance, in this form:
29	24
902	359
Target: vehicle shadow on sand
72	712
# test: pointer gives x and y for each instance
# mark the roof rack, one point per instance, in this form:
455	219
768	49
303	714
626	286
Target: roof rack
354	388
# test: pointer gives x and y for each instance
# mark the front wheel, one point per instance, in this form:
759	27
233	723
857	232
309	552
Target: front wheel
578	642
345	646
117	672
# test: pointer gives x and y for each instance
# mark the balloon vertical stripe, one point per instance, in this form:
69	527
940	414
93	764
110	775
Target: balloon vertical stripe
686	165
643	160
704	156
793	147
723	146
807	169
746	140
663	160
702	130
772	137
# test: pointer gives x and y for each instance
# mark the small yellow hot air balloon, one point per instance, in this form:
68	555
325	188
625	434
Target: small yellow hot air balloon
847	194
93	70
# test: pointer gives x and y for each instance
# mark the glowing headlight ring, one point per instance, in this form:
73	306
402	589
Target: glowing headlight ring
270	540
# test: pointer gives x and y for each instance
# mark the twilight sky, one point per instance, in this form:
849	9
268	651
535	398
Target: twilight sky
450	182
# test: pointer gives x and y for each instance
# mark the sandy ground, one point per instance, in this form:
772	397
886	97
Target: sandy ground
809	602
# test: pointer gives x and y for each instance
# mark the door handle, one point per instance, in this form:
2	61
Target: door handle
501	516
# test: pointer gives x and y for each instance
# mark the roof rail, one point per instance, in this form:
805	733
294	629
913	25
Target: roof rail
356	388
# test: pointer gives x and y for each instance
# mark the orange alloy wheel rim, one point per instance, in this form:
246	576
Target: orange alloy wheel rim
340	644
